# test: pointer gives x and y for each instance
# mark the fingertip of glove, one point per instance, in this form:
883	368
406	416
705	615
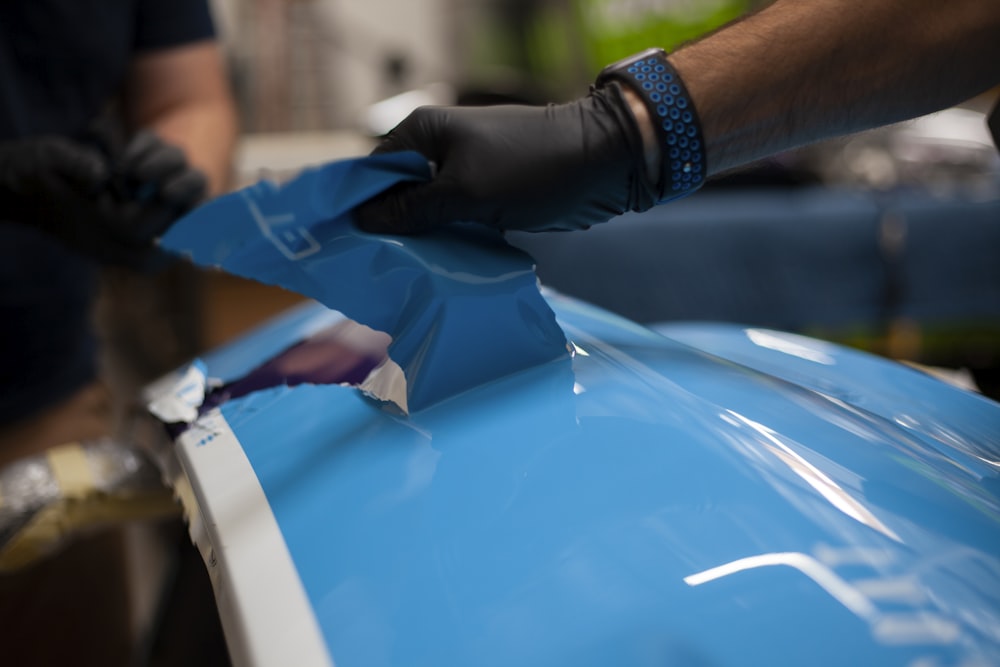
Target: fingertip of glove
80	164
375	217
186	190
147	259
139	144
383	147
403	209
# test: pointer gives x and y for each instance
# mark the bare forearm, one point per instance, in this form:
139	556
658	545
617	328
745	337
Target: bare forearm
800	71
183	96
206	132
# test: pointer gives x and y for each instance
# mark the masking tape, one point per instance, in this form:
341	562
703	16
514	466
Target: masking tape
70	516
71	470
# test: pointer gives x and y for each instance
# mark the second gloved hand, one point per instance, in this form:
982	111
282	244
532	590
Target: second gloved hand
559	167
153	171
111	211
154	185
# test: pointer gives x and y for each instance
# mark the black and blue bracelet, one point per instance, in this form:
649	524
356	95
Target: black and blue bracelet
678	129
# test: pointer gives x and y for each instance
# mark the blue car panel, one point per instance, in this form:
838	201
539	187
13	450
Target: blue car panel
705	495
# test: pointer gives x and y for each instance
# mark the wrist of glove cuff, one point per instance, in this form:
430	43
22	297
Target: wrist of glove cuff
643	192
675	120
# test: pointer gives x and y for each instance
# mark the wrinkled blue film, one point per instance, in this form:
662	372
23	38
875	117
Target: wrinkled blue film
461	305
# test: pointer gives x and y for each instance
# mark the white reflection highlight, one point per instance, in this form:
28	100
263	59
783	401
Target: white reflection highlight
578	388
579	350
853	555
907	628
918	628
947	437
839	589
817	479
902	590
786	343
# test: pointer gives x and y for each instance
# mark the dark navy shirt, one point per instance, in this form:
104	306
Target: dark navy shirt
61	63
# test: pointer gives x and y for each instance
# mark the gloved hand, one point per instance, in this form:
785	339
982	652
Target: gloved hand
153	171
558	167
112	212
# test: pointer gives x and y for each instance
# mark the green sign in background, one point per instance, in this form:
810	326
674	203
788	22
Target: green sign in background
570	41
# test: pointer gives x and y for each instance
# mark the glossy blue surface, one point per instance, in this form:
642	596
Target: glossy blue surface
719	498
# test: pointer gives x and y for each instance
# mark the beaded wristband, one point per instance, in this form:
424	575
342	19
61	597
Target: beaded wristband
682	148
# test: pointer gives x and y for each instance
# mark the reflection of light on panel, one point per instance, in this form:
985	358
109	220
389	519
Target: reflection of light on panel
853	555
785	343
896	628
575	350
839	589
815	477
904	590
943	434
918	628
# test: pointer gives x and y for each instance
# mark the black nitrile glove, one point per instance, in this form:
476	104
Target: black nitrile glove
559	167
112	213
47	167
155	171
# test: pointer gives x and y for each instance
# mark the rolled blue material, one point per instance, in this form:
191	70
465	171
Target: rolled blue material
462	306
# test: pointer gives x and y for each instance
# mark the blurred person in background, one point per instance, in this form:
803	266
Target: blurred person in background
655	126
115	119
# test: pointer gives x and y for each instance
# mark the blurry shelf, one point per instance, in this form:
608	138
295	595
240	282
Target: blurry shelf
280	155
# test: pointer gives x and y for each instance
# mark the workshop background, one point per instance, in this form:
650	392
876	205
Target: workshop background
886	241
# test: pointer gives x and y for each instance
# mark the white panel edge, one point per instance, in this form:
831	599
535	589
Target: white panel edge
263	606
